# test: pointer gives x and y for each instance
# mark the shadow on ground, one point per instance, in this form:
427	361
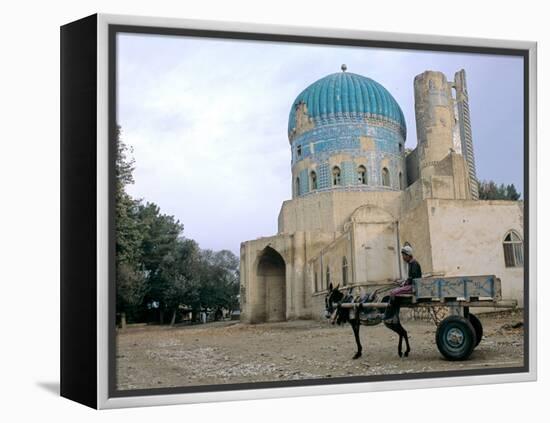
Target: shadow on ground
51	387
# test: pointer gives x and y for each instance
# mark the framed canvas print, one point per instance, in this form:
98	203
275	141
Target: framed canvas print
254	211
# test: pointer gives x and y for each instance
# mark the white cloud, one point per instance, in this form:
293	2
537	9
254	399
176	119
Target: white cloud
208	122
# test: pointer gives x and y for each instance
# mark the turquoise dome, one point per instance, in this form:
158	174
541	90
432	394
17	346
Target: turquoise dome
344	97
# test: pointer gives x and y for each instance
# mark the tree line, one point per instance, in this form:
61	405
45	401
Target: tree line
489	190
161	274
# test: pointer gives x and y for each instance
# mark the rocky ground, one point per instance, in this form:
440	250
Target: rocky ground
231	352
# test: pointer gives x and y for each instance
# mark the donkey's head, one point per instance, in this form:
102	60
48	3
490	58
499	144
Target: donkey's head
333	311
333	297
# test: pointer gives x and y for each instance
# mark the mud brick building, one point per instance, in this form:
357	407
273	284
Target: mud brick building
359	194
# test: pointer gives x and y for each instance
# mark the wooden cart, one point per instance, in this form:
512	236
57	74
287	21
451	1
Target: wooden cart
458	334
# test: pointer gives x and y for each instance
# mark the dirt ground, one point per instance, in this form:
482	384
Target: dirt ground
231	352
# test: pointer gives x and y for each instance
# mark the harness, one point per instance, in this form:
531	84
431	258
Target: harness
368	298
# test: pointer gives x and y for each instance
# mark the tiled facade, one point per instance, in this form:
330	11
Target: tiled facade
345	96
346	121
319	147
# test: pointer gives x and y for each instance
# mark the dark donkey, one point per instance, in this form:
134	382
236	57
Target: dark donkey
363	316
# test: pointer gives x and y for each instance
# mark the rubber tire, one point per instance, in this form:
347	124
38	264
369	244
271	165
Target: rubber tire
478	328
468	343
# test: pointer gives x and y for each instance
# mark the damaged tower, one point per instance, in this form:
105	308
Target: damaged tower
464	124
445	155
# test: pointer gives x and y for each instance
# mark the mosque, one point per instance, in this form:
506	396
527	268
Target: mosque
358	195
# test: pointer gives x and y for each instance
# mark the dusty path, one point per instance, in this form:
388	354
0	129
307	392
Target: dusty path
231	352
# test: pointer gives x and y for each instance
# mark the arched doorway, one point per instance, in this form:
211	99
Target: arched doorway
271	276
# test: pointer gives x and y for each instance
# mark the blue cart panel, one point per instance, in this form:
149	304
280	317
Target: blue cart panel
459	288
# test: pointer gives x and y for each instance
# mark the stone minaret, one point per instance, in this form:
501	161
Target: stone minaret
463	109
435	120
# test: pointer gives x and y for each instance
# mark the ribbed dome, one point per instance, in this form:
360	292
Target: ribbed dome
344	96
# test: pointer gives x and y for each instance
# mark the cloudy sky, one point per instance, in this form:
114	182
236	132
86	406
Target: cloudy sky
207	120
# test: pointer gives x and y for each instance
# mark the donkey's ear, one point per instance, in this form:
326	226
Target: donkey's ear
330	286
337	286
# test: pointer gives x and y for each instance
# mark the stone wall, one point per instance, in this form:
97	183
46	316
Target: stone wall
414	229
328	211
269	283
328	266
413	171
467	239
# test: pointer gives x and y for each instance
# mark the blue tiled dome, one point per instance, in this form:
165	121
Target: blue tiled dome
344	96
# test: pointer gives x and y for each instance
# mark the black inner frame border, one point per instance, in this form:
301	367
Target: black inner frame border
114	29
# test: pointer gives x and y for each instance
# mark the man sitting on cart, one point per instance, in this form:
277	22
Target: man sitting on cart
405	287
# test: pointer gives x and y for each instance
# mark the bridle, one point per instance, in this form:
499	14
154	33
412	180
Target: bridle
334	307
330	307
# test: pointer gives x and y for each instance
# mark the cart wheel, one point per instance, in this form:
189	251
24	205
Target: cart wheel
455	338
478	328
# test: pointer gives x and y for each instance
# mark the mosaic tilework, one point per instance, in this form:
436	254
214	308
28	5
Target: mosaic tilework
304	181
305	151
320	144
349	174
373	164
372	161
345	137
345	96
323	176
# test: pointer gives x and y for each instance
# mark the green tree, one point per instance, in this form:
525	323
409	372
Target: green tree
159	256
219	280
489	190
179	268
511	193
130	286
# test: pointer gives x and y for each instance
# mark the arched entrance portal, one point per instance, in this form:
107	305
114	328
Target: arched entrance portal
271	277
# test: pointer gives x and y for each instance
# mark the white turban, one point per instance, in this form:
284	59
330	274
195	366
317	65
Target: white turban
407	249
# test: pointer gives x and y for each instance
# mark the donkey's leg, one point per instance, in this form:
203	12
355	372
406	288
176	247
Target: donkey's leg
395	324
406	336
355	324
402	334
395	328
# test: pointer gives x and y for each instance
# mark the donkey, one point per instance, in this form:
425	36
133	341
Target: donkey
367	317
